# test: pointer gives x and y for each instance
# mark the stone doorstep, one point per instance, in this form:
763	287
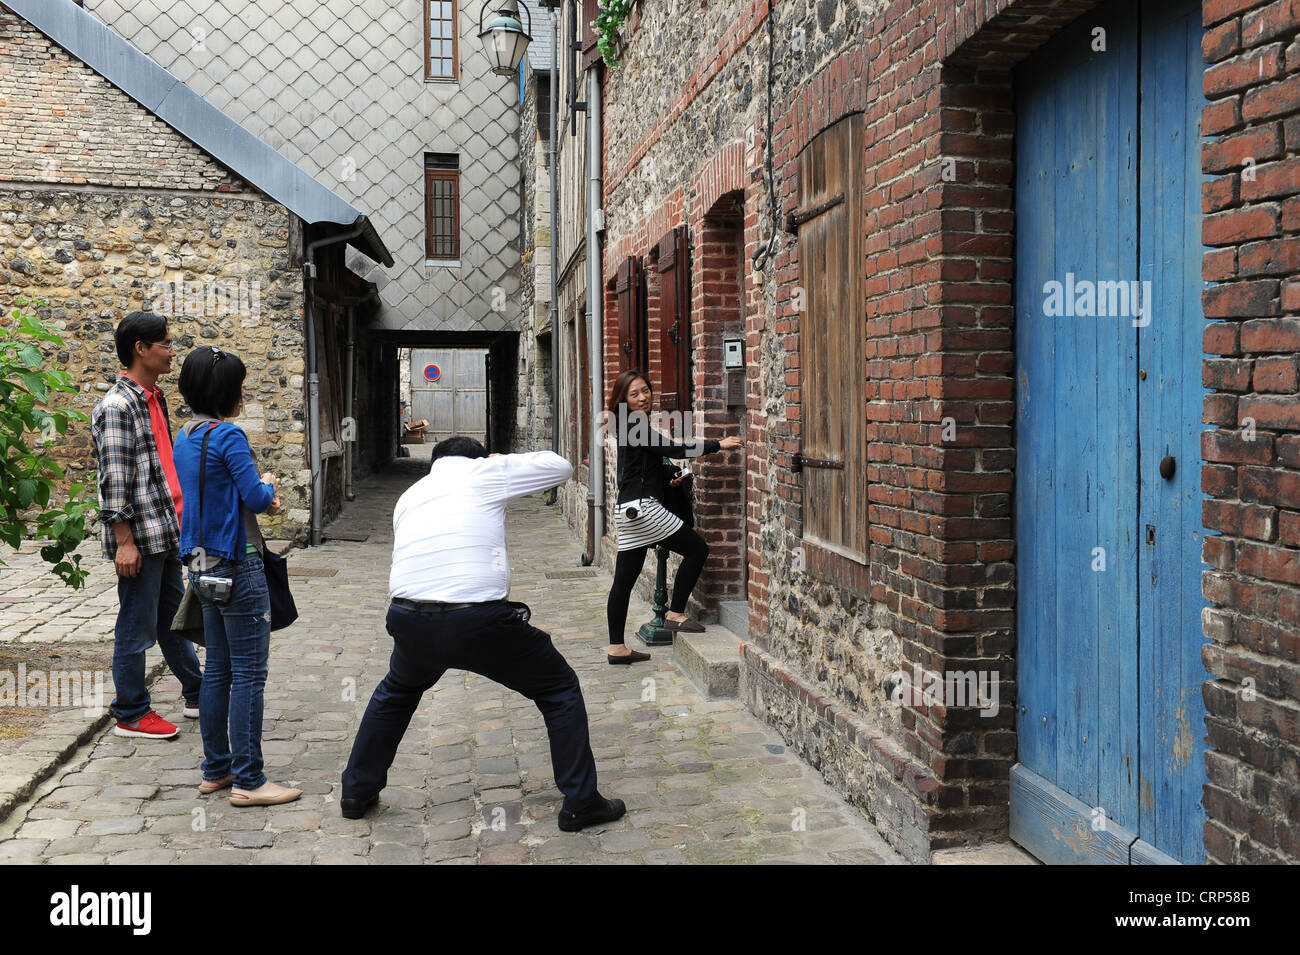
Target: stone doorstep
78	733
994	853
711	660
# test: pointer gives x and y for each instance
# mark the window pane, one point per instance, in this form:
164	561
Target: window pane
446	48
435	29
446	9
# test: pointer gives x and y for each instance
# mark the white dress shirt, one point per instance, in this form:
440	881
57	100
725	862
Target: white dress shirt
449	528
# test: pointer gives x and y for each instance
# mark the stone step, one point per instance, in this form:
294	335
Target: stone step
734	615
711	660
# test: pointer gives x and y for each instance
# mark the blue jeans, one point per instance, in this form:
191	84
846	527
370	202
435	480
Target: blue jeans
238	635
146	604
493	640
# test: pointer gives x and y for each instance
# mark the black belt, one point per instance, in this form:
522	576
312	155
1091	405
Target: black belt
437	606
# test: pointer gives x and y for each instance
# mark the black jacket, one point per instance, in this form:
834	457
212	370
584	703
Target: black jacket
640	467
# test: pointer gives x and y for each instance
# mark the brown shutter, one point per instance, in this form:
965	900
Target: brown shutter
629	287
588	36
674	321
831	333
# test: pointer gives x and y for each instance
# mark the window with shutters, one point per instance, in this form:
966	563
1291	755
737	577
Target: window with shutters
440	40
442	206
832	331
674	333
630	289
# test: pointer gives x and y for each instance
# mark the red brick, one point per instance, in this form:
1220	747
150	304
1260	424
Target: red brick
1288	450
1220	338
1277	375
1270	486
1230	447
1288	528
1274	334
1249	69
1271	179
1273	257
1218	480
1229	153
1216	11
1226	374
1239	520
1268	22
1220	116
1271	412
1240	225
1276	99
1219	409
1220	42
1219	265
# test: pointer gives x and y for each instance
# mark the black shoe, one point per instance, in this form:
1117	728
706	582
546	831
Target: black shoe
632	656
356	808
600	810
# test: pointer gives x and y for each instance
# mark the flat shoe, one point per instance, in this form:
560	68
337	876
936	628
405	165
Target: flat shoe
240	798
684	626
632	656
214	785
603	810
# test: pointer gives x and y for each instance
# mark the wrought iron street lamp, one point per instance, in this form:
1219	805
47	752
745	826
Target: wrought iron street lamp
505	38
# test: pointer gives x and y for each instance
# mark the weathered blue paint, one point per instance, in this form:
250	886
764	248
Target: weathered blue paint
1096	652
1172	711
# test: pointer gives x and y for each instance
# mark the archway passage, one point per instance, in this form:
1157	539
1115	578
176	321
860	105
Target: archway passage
1108	422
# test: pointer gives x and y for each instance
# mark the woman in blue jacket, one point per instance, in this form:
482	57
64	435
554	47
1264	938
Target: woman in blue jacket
220	539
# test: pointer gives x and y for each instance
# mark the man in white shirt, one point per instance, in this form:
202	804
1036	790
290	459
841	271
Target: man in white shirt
448	586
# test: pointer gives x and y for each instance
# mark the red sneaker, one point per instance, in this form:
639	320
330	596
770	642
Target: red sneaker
149	726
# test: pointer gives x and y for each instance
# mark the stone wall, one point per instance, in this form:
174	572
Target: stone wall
108	226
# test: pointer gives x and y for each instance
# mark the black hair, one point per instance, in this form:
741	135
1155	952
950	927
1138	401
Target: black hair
457	447
146	327
212	381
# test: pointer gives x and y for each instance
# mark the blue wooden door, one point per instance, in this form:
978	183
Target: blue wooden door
1108	343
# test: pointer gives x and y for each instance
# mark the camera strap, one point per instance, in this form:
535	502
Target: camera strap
203	480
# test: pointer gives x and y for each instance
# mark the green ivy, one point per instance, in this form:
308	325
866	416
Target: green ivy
28	476
609	28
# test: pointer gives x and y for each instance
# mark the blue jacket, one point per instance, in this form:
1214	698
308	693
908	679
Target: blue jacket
232	479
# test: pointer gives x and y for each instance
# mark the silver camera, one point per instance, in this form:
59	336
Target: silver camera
216	589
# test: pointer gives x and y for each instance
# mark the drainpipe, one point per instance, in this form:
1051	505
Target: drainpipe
349	388
595	316
313	378
555	237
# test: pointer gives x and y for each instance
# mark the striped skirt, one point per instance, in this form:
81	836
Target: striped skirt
653	523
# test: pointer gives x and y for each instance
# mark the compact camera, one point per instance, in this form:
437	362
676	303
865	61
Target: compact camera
630	512
216	589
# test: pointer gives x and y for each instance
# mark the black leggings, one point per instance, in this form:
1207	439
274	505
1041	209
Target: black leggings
627	568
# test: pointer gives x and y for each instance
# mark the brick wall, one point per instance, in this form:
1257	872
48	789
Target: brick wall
933	82
45	93
1252	452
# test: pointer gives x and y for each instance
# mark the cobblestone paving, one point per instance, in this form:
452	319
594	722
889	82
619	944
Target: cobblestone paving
704	781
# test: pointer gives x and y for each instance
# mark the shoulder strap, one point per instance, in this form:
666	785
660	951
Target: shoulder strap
203	479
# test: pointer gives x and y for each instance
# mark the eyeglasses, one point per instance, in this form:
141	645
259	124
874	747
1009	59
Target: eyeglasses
217	355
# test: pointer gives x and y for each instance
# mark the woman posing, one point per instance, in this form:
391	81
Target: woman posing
222	542
640	517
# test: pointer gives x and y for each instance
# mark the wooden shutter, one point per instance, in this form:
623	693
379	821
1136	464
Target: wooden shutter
629	287
831	334
674	321
586	34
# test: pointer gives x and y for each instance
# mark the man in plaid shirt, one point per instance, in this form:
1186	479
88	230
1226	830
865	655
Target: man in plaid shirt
140	501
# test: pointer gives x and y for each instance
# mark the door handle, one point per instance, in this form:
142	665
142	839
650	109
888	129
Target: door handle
1167	466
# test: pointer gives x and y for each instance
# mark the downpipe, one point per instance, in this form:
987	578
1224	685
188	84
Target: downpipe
595	318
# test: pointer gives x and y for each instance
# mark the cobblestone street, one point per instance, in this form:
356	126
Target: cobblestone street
703	780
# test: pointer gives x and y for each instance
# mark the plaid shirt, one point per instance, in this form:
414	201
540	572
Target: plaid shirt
132	486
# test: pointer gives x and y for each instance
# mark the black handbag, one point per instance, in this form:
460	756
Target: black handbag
283	610
678	500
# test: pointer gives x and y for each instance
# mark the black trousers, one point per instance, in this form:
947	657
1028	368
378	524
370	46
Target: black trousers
627	568
492	639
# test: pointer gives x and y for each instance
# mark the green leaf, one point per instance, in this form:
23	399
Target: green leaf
35	383
51	553
31	356
26	493
43	494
